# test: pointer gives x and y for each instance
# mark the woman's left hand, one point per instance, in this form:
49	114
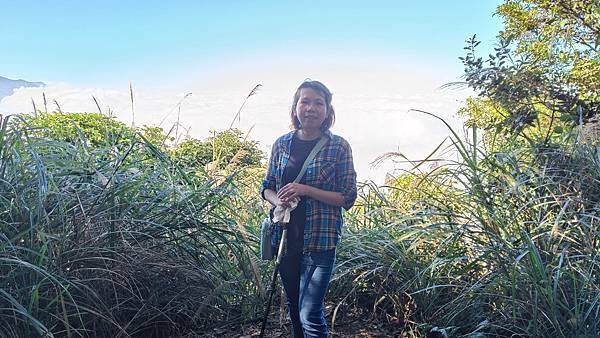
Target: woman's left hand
292	191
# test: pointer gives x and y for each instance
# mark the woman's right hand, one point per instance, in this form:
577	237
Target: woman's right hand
271	196
283	203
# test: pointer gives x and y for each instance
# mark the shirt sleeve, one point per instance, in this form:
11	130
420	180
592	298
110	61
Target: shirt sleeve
346	176
269	180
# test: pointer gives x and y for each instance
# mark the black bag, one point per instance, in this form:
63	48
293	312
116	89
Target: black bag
267	252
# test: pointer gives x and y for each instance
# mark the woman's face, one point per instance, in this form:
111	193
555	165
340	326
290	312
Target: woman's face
311	109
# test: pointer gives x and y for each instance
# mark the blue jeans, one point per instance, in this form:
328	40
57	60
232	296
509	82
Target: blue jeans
305	278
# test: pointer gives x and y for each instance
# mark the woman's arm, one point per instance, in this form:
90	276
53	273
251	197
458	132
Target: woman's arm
297	190
345	176
271	196
269	182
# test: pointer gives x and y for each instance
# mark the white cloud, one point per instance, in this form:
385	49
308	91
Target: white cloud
372	106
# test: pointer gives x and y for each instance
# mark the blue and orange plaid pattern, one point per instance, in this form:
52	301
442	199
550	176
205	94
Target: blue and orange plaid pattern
332	169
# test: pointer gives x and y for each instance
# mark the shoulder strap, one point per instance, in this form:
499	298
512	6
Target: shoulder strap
310	157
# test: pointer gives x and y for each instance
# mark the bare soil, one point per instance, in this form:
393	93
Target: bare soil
356	323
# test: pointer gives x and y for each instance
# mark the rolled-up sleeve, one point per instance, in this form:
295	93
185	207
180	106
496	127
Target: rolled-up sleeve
346	176
269	180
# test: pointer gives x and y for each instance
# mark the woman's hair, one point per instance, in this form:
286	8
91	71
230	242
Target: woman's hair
319	88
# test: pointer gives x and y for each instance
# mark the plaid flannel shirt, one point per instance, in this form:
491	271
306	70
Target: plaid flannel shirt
332	169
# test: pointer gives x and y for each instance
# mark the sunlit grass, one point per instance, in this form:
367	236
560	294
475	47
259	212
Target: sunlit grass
510	248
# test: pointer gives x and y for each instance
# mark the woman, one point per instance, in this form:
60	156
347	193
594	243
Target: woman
314	229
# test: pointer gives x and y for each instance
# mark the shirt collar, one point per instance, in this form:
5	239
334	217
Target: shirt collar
290	135
287	138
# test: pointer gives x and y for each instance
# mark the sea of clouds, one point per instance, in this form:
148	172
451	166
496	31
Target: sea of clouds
373	108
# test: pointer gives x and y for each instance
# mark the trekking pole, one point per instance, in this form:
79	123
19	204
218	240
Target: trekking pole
271	288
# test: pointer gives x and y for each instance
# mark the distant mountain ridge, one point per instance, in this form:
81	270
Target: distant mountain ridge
8	86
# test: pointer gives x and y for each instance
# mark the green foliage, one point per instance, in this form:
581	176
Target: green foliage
193	153
225	148
559	36
156	136
487	114
553	71
419	190
96	128
228	148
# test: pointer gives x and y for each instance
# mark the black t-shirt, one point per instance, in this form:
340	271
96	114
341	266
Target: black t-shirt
298	153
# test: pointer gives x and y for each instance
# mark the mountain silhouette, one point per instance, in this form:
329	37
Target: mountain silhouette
8	86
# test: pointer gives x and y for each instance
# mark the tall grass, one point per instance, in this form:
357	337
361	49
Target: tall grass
510	249
97	242
115	239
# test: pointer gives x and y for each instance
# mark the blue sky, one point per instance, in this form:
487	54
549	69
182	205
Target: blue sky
111	42
380	59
